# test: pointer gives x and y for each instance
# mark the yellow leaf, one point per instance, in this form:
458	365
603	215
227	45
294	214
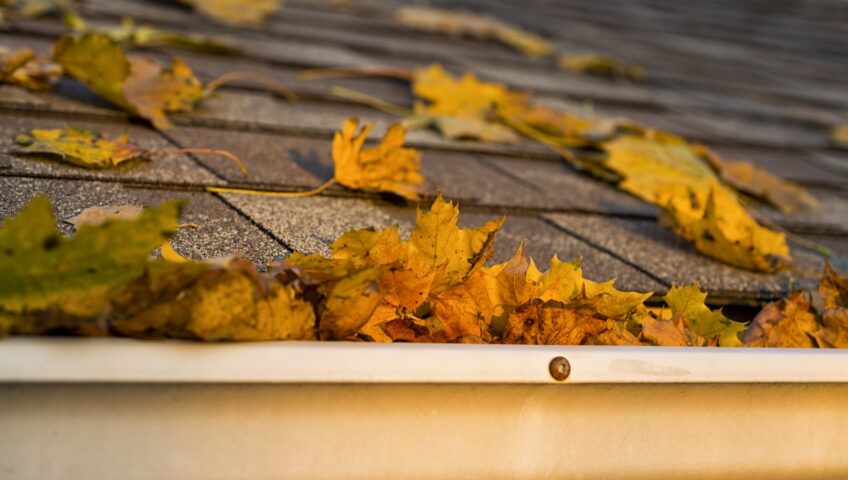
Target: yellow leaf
22	67
138	85
153	91
171	255
688	303
553	323
248	13
460	23
612	302
467	97
723	230
388	167
207	302
839	136
786	323
600	65
441	244
349	304
747	178
80	147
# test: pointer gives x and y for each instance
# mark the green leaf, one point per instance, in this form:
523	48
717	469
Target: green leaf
42	270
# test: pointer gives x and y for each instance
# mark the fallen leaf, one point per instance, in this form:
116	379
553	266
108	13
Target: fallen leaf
461	23
209	302
789	322
99	215
388	167
553	323
139	85
51	281
129	33
79	147
833	289
245	13
723	230
745	177
22	67
839	136
668	171
600	65
688	307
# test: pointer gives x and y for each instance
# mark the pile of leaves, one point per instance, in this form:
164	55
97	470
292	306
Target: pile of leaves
433	286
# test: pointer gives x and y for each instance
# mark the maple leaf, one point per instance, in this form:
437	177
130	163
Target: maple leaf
724	231
22	67
833	289
666	170
50	279
688	303
745	177
789	322
79	147
553	323
600	65
440	244
388	167
463	108
148	36
460	23
139	85
210	302
245	13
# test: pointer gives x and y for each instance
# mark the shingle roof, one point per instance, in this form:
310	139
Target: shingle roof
760	81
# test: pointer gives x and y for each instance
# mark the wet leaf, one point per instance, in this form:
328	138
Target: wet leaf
245	13
462	23
139	85
600	65
388	167
79	147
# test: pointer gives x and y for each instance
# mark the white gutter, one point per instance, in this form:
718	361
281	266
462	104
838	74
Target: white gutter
131	361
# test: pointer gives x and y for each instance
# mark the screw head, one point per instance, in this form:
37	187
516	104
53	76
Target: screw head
559	369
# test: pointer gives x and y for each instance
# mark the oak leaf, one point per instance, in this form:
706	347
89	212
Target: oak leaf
80	147
461	23
388	167
139	85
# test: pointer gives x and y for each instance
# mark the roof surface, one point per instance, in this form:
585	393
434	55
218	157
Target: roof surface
763	81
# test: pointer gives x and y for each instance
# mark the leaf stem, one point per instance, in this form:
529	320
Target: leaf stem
373	102
256	77
247	191
208	151
386	72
